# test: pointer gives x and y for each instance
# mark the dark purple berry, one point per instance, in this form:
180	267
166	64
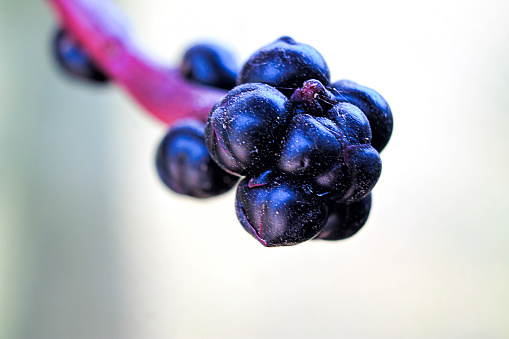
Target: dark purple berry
185	166
285	64
280	213
345	219
243	131
373	105
309	147
210	65
74	60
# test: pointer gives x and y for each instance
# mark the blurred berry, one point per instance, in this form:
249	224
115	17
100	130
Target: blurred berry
210	65
74	60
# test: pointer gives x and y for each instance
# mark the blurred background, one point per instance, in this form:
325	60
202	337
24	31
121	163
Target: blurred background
92	245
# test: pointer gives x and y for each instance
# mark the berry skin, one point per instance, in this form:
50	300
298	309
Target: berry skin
345	219
185	166
286	65
280	212
242	130
309	147
373	105
74	60
210	65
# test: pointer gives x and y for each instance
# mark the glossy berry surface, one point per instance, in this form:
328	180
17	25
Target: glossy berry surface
373	105
308	147
345	219
210	65
243	130
185	166
74	60
285	64
279	212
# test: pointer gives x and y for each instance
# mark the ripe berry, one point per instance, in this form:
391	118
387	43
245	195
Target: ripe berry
373	105
345	219
280	212
243	130
285	64
210	65
309	147
185	166
74	60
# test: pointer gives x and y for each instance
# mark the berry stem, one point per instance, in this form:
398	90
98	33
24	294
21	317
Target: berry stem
106	34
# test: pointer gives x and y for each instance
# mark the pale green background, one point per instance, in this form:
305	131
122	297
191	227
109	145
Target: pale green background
93	246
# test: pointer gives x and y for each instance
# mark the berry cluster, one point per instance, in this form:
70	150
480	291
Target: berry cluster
304	147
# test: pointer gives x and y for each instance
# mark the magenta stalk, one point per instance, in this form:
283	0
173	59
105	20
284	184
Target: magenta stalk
107	36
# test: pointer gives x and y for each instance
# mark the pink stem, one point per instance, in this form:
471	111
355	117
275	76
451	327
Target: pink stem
107	36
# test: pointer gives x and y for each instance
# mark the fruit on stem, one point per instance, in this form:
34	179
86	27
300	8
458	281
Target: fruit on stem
308	149
107	36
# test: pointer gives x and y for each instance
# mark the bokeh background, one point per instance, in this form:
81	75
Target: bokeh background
93	246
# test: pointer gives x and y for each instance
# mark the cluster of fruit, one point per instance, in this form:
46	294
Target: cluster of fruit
306	151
